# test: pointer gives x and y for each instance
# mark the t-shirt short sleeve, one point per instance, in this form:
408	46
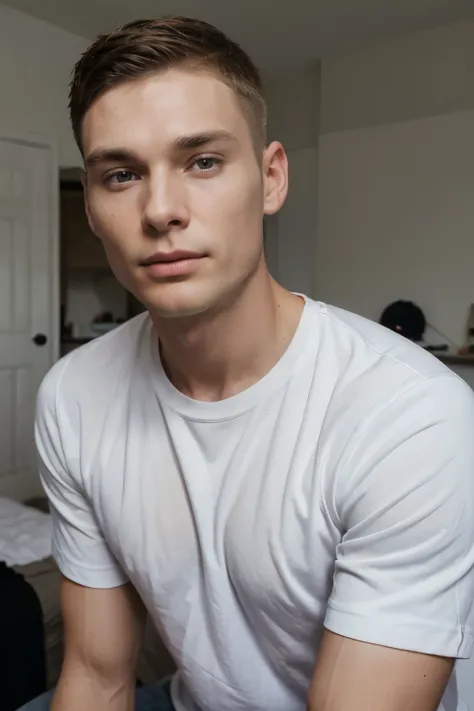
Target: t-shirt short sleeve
404	572
79	547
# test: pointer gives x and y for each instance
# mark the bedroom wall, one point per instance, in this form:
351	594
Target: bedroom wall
293	119
395	177
36	60
423	73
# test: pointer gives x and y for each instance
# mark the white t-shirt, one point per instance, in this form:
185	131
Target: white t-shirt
337	491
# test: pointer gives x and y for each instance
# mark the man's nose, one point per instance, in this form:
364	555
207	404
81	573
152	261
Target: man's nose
166	205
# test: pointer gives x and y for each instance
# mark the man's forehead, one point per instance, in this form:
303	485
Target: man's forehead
168	92
174	103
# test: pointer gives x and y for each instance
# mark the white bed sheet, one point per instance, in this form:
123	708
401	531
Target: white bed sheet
25	533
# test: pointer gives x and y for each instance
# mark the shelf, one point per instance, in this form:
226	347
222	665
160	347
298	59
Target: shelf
69	340
455	358
90	267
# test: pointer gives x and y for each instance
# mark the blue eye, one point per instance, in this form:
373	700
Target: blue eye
206	163
122	176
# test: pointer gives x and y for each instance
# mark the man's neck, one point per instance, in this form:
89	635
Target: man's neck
214	356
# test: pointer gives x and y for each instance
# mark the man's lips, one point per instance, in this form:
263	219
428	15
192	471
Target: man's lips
174	256
172	264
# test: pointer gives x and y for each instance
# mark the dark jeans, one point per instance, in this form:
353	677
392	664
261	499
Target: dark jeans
154	697
22	655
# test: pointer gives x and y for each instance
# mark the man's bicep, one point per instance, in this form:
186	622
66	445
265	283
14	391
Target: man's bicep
403	582
79	546
404	571
103	629
356	676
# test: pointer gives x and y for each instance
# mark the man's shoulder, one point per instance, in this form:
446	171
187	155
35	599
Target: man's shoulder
374	375
95	366
368	341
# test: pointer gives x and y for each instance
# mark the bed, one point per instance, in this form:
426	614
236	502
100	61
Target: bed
25	545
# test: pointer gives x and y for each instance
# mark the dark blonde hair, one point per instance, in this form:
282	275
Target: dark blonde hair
144	47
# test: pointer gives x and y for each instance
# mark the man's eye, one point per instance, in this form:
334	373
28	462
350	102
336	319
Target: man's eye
206	163
121	176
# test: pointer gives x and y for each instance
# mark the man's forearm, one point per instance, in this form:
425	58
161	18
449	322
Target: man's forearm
77	692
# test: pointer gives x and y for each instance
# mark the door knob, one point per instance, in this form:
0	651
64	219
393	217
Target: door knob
40	339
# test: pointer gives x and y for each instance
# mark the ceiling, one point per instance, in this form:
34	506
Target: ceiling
279	35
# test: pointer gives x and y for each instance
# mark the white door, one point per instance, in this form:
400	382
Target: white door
28	323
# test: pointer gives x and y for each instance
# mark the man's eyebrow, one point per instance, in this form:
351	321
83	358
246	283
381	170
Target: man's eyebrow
199	140
110	155
182	143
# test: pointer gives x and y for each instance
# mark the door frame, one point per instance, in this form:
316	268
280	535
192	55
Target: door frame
49	145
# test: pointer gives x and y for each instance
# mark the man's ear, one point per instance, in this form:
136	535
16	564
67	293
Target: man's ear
275	178
86	201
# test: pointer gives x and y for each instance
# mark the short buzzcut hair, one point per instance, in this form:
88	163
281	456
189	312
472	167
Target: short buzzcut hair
144	47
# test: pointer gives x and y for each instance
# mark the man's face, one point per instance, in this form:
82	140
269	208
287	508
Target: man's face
175	190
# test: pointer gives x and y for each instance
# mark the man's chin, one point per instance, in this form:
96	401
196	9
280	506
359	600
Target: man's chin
177	313
186	300
179	308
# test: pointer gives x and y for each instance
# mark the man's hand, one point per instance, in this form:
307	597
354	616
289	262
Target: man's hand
103	632
355	676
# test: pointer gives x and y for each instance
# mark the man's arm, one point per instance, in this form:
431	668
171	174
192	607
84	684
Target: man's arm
103	616
356	676
103	633
404	572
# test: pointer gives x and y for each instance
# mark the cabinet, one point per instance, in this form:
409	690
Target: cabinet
88	286
81	249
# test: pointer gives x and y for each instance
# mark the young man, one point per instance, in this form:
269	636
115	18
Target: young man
286	488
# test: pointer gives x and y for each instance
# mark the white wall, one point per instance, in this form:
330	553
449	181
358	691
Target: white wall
293	113
396	219
36	60
396	183
294	108
297	223
420	74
